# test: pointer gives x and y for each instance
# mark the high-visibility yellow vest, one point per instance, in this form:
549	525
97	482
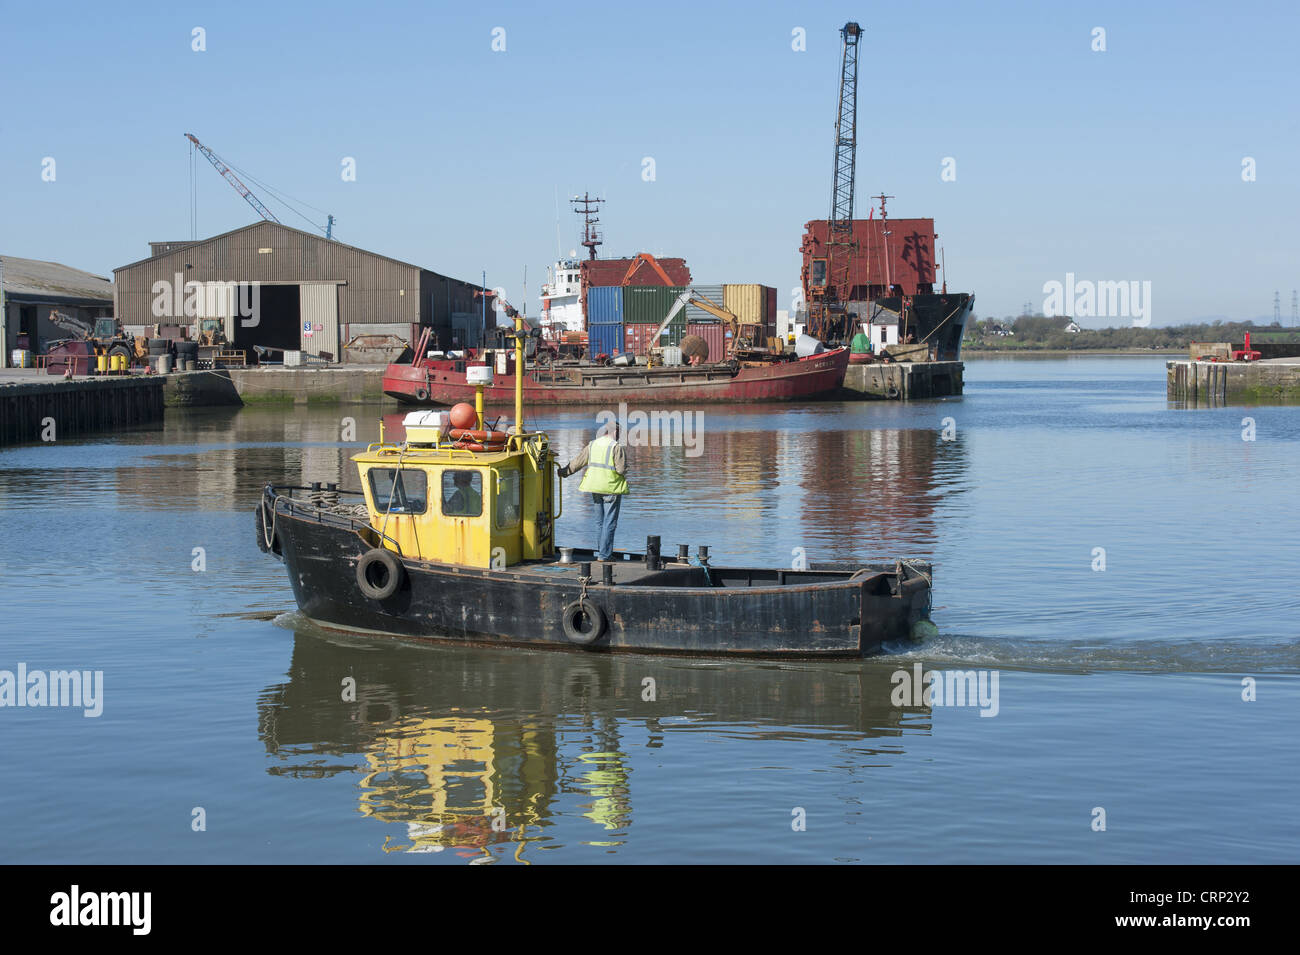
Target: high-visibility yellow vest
601	478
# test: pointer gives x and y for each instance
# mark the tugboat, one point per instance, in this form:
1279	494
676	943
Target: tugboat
451	539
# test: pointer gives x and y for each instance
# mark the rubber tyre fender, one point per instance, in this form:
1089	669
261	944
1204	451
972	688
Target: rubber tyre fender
380	574
421	394
274	548
261	530
571	621
891	393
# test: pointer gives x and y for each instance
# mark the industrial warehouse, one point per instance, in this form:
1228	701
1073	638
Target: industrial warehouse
273	291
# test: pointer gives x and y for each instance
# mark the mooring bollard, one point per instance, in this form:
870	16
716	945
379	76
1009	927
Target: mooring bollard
652	553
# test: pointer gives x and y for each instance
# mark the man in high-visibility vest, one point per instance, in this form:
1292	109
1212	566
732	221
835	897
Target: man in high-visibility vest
606	481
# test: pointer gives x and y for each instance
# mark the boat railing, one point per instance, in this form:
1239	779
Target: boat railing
318	507
514	443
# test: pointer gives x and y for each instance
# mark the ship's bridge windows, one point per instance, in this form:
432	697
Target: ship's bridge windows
462	493
818	272
399	491
507	499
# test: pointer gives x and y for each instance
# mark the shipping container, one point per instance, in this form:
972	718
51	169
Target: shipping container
714	294
712	333
639	339
749	303
650	304
605	305
596	273
604	339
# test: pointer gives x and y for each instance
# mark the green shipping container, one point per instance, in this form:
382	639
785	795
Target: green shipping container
650	304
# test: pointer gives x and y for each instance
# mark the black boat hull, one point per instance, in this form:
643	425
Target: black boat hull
825	611
938	318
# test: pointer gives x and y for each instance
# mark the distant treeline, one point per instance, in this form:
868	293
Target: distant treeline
1039	333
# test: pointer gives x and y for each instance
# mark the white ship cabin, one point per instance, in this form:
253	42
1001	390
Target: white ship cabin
562	297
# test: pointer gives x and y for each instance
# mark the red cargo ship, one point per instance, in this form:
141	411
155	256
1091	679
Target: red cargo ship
442	381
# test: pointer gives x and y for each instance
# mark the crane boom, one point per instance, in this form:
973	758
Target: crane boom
828	289
231	178
846	133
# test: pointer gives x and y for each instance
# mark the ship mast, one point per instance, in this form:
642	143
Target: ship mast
586	205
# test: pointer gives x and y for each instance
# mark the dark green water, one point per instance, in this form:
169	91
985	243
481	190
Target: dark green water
1119	689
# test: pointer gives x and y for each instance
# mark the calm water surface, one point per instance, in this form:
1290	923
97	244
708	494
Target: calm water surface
1119	689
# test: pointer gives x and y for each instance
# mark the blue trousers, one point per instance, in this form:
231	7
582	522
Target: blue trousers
607	506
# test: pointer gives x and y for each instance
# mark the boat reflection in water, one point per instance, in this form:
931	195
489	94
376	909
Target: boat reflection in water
497	753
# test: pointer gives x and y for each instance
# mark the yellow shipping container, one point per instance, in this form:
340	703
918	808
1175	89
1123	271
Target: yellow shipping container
747	303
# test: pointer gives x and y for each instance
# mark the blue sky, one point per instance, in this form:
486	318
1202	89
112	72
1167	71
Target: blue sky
1117	165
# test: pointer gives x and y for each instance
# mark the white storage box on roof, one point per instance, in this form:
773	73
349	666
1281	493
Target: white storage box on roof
424	427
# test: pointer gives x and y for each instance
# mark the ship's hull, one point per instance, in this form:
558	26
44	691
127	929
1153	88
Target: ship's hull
805	379
672	607
937	319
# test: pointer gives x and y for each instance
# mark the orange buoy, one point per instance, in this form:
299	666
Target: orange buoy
463	415
496	437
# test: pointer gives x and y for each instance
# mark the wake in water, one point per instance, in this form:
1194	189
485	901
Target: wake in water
1241	655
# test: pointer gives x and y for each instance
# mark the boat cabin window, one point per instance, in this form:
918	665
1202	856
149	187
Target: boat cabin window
404	491
507	500
462	493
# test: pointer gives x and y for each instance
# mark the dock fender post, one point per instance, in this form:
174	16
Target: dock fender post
379	573
583	622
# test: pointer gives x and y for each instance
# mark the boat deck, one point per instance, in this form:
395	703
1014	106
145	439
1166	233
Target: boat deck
629	569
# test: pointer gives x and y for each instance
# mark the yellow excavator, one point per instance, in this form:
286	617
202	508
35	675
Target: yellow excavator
744	340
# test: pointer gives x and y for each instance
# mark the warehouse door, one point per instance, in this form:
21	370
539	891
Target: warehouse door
319	325
273	324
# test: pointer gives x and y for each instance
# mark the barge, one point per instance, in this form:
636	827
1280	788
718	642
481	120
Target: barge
441	381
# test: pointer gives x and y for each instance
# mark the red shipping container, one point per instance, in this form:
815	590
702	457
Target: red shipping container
711	332
638	338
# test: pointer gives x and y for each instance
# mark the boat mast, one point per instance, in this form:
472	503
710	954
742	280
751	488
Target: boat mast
586	205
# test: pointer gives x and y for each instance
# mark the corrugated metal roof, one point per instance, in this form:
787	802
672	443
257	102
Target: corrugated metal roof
261	223
34	278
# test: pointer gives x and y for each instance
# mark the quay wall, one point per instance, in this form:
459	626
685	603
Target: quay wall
45	409
904	381
1237	382
276	385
